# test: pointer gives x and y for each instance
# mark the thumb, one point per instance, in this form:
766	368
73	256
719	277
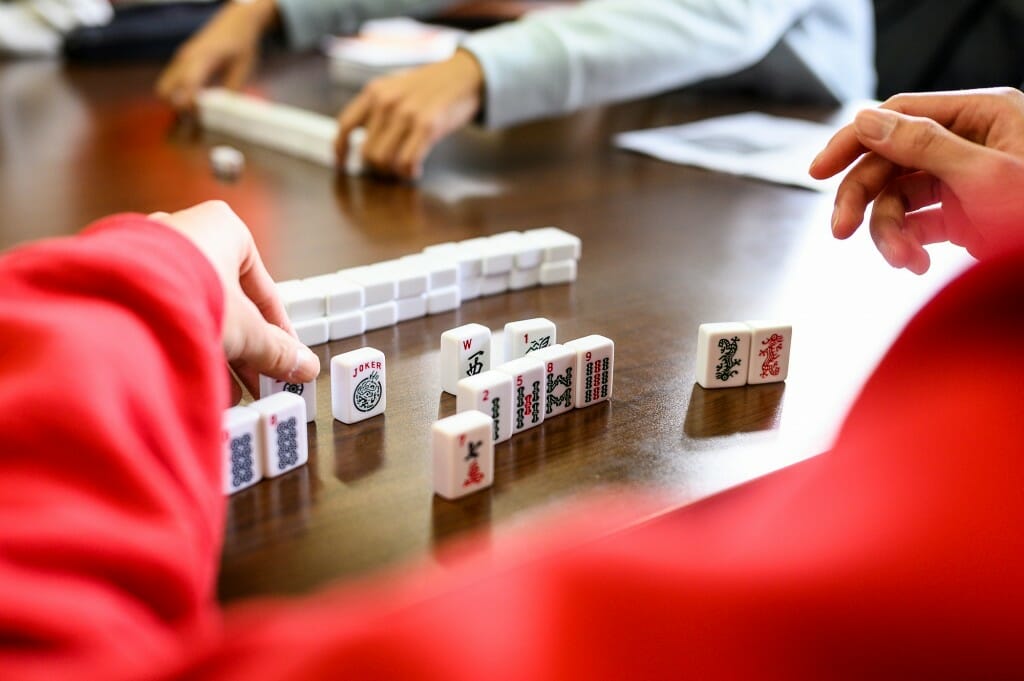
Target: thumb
915	142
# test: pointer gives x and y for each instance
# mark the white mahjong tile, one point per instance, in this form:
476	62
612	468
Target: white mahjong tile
240	457
528	335
269	386
723	351
465	351
358	385
769	351
595	367
462	454
282	432
491	394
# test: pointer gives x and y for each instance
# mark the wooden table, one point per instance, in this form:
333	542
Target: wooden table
664	249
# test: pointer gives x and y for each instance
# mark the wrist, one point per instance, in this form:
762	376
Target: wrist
470	71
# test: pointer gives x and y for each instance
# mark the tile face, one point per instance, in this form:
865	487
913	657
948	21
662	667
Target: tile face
595	366
358	386
312	331
307	391
489	393
465	351
379	316
443	300
346	324
769	351
282	432
240	457
559	378
558	272
411	308
301	301
462	454
528	335
527	392
723	352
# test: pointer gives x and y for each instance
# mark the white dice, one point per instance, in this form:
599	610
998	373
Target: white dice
462	454
527	392
269	386
240	454
528	335
723	353
595	365
769	351
489	393
465	351
358	386
559	378
282	432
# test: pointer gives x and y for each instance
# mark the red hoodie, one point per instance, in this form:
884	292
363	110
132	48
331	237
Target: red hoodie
898	554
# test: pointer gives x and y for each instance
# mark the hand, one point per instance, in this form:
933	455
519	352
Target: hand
228	45
945	166
257	336
407	113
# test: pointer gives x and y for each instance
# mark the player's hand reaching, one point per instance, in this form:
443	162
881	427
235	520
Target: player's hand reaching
407	113
257	336
227	46
945	166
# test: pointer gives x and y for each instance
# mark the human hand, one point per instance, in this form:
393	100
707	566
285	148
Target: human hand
227	45
946	166
407	113
257	336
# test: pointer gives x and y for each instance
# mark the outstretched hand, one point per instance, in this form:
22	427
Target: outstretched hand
227	46
945	166
407	113
257	336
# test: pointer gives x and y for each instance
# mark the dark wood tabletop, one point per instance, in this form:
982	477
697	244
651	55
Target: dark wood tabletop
665	248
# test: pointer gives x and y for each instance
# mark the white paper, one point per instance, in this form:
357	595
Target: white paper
752	144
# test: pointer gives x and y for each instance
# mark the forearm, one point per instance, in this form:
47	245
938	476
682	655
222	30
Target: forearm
110	504
306	22
610	50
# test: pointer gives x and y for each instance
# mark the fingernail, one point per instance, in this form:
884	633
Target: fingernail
835	218
815	161
887	251
304	359
875	124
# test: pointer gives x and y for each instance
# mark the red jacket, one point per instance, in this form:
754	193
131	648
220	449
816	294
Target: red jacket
898	554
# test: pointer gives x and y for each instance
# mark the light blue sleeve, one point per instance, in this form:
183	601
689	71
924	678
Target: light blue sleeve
306	22
553	62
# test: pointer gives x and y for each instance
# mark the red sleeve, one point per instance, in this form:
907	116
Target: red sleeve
111	395
897	555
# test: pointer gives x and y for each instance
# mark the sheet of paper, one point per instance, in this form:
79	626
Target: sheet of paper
752	144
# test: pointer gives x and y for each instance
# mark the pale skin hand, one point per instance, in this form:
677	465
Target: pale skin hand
407	113
227	46
945	166
257	336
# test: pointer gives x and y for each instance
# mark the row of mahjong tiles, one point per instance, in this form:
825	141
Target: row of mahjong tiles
355	300
539	379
